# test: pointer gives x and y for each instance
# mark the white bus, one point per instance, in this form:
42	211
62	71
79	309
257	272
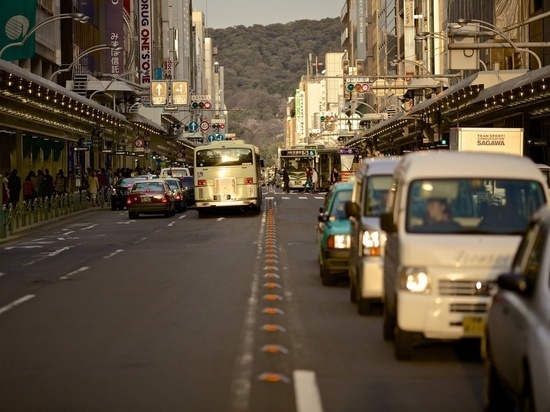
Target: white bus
227	174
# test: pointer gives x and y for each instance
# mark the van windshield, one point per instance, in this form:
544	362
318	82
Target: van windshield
470	206
377	195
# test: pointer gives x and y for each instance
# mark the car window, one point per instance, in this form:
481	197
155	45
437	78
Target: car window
376	195
530	253
337	210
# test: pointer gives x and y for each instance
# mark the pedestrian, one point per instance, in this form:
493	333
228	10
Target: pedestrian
60	183
286	180
93	188
309	183
30	190
315	180
71	182
334	176
14	187
5	192
46	185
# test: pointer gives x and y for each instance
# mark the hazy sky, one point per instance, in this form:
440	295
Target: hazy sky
226	13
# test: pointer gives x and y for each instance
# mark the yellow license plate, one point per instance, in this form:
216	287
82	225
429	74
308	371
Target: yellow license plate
473	325
145	199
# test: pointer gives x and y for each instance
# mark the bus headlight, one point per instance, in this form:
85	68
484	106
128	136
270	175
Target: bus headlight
338	242
373	242
415	280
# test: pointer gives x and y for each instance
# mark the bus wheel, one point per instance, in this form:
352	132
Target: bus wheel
201	213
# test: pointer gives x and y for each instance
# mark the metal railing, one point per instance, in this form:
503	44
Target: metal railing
41	210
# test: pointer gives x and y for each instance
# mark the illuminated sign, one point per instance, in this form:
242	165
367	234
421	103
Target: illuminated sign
304	153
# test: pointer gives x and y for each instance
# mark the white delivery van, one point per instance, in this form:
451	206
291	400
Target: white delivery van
373	179
448	237
175	172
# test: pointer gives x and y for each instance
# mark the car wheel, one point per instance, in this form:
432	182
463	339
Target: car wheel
328	279
495	396
403	344
388	324
352	292
113	207
133	215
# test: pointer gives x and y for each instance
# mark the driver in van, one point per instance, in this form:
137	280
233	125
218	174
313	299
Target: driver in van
438	212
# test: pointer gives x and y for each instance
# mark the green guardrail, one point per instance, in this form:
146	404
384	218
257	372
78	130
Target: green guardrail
41	210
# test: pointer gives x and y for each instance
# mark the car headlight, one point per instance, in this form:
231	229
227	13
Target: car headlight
338	242
415	280
373	242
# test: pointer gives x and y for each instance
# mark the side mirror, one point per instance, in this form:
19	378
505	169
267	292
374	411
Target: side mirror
515	283
322	218
351	209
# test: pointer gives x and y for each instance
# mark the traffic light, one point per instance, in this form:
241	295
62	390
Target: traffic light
358	87
200	104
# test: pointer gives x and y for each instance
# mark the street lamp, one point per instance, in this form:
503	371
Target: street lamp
116	78
454	29
86	52
79	17
395	62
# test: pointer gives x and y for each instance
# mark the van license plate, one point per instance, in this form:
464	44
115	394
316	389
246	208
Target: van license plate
473	325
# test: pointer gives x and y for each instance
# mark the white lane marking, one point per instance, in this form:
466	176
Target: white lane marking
15	303
319	197
74	272
69	232
285	197
302	197
2	274
220	219
182	216
171	223
113	254
89	227
241	383
23	247
269	198
57	252
306	389
127	222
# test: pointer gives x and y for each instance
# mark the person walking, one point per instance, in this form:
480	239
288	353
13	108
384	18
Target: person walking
309	183
45	189
14	187
71	183
286	181
30	190
5	191
93	188
334	176
315	180
60	183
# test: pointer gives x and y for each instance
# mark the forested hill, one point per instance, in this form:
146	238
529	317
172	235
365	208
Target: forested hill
262	68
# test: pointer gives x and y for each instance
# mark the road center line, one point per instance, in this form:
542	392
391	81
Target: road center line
114	253
74	272
308	398
15	303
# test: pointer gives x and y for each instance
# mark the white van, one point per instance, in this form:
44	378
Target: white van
373	180
448	237
175	172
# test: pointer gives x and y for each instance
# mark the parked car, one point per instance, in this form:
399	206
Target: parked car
150	196
189	186
373	179
333	234
517	361
180	194
120	190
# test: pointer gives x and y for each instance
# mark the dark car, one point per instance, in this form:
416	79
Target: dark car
150	196
189	187
180	195
120	190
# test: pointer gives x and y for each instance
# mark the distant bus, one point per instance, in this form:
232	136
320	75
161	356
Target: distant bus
227	174
323	159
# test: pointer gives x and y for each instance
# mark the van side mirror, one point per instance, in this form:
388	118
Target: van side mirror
351	209
386	223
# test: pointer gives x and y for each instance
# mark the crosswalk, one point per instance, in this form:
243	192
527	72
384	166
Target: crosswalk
274	194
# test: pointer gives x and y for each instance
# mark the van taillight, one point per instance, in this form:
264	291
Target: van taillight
248	180
201	182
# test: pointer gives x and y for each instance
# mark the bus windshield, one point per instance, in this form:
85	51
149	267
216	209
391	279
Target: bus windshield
224	157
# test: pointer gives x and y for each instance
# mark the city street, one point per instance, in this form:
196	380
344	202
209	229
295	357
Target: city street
224	313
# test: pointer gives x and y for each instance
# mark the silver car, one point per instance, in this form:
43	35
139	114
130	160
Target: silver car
517	361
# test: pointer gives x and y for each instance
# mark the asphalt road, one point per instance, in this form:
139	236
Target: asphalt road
225	313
